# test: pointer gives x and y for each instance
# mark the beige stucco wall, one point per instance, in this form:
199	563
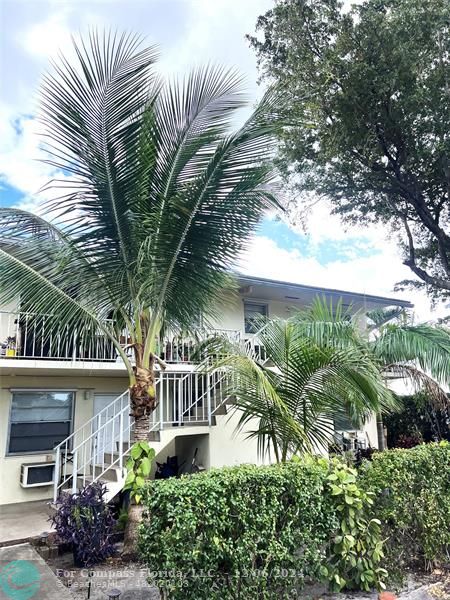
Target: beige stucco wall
370	430
11	490
228	448
231	314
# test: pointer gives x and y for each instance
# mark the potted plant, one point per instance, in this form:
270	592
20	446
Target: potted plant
10	346
85	521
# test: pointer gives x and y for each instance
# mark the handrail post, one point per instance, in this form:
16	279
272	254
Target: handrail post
208	397
121	440
56	475
161	402
180	401
74	472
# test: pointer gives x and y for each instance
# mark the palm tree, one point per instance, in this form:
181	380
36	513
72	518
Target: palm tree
419	354
158	198
295	390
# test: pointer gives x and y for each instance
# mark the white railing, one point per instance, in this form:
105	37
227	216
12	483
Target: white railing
103	442
188	398
29	336
26	335
183	348
254	345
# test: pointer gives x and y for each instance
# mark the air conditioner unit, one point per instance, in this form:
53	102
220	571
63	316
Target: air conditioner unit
37	474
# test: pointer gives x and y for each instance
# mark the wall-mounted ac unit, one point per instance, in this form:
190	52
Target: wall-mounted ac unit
37	474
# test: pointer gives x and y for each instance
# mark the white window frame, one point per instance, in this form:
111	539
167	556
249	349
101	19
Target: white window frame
255	302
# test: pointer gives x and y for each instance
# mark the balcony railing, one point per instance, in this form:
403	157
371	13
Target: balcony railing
29	336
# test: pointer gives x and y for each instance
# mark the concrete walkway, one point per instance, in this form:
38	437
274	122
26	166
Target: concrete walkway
22	521
24	575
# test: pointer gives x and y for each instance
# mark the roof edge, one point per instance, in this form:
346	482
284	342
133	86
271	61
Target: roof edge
301	286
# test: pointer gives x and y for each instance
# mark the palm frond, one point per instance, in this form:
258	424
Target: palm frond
328	323
296	393
92	113
425	345
380	316
421	383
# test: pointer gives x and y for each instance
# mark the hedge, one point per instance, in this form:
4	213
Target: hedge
257	532
260	532
412	499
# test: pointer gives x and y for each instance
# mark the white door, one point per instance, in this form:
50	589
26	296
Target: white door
107	427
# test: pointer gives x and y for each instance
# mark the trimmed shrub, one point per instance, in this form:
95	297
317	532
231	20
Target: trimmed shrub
412	499
241	532
259	532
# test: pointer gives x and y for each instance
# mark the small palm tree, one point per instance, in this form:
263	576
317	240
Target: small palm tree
158	198
419	354
300	385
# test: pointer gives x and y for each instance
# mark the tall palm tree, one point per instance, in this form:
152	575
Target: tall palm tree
157	199
299	385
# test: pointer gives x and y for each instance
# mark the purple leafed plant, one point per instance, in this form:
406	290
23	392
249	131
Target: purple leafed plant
85	521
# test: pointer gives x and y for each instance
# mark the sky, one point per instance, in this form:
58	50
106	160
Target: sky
321	252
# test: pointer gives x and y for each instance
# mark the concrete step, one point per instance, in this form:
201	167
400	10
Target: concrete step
113	473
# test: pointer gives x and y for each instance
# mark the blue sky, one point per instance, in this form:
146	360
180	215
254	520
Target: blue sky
189	32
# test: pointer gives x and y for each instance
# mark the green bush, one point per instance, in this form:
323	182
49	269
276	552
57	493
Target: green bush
412	499
258	532
356	550
242	532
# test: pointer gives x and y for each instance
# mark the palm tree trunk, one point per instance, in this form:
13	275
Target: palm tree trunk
143	402
131	534
380	433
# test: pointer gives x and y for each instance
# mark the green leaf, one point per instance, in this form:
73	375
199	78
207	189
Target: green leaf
146	466
136	451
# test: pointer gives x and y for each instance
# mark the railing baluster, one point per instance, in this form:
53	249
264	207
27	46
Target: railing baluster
208	397
121	441
57	474
74	472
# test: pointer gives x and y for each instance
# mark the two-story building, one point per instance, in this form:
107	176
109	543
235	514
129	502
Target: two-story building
58	392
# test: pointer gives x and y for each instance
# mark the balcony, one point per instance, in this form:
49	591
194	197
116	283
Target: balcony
28	336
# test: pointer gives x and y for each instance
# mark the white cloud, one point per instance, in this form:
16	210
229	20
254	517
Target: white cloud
44	39
376	274
20	152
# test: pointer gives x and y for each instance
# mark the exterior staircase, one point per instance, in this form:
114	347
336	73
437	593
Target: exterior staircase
97	451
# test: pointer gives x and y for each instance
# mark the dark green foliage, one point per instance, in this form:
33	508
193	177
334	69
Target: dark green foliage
412	500
418	421
367	96
255	529
258	532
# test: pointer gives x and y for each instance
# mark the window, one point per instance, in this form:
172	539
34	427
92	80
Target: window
39	420
343	422
252	311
